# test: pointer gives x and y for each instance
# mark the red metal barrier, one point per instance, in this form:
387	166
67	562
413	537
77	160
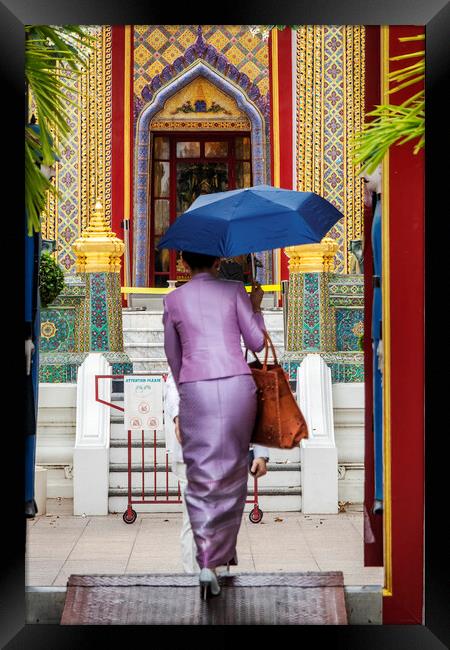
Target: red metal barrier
130	515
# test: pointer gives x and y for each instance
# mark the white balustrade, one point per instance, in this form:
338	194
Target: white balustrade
318	453
91	452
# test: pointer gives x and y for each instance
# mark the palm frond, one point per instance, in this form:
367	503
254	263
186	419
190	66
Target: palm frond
392	124
53	55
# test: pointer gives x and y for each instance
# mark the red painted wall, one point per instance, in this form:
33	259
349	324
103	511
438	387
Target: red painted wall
286	117
284	70
406	234
119	135
117	114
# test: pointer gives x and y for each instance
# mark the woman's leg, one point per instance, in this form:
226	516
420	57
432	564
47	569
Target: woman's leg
216	422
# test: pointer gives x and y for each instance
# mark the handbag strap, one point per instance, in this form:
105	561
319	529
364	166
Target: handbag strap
267	343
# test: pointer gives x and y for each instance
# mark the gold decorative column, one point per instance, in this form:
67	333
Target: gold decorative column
310	323
98	252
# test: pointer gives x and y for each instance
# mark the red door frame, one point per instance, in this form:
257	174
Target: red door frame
122	136
399	543
403	218
281	70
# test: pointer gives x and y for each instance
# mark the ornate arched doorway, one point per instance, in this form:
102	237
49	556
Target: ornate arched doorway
200	143
200	134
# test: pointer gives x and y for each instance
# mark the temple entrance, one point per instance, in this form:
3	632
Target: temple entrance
185	165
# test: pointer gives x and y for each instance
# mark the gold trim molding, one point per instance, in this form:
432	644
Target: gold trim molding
95	128
385	287
312	258
191	125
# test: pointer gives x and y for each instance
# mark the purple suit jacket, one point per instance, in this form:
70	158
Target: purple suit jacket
203	322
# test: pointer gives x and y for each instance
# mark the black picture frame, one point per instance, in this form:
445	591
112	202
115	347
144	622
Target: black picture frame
435	15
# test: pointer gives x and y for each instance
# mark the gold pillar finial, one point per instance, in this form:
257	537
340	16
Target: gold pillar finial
98	250
312	258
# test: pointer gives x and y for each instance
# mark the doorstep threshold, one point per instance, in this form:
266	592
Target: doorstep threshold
45	604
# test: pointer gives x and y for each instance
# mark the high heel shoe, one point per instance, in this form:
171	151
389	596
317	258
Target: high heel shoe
208	583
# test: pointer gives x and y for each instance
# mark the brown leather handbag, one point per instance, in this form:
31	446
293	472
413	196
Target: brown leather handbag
279	420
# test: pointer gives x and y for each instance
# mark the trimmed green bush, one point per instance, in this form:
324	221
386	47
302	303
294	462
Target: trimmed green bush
51	279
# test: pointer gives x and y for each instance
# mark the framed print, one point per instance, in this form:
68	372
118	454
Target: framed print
159	115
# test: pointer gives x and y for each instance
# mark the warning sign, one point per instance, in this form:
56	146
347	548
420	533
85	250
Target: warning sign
143	402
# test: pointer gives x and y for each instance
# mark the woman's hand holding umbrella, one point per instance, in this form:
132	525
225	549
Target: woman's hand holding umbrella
256	296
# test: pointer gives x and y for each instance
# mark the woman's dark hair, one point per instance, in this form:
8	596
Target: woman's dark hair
199	260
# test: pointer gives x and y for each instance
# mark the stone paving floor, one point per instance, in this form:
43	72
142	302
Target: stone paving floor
59	544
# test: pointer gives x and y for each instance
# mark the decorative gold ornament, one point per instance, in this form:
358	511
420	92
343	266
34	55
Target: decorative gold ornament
48	330
312	258
98	250
191	125
218	106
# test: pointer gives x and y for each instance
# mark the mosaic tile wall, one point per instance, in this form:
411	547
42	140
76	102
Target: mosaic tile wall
63	367
311	324
330	71
59	320
102	317
156	46
85	317
326	315
345	366
349	326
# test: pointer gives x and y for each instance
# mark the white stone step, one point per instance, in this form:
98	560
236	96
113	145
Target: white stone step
139	319
119	433
118	476
118	452
146	353
276	500
150	324
143	367
143	336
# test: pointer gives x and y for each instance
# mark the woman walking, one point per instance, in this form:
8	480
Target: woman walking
203	322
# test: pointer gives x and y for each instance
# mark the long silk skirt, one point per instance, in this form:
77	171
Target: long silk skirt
216	422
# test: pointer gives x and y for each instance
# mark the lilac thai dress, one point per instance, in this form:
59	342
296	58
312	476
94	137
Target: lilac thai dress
203	322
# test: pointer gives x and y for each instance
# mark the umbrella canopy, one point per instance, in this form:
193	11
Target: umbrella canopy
250	220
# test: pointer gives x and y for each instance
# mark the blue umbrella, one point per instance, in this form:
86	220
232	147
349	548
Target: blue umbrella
250	220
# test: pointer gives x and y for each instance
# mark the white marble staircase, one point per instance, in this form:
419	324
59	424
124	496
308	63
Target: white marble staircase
143	337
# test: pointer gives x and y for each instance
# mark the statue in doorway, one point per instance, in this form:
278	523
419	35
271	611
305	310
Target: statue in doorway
355	247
